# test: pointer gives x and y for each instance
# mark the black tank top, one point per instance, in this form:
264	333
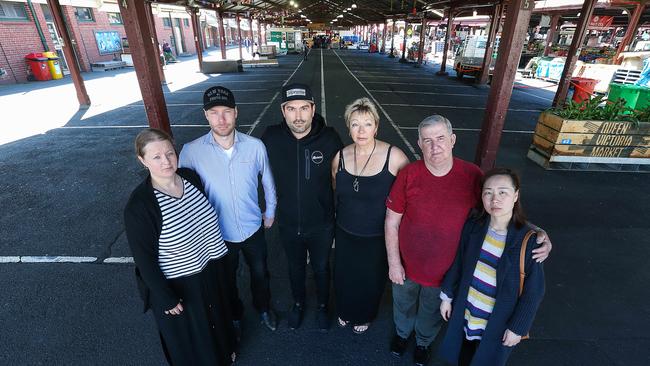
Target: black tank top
362	212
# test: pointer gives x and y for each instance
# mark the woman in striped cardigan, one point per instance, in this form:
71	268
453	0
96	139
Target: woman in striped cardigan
489	316
174	236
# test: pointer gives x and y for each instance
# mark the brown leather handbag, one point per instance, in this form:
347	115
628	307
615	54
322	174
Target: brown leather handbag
522	267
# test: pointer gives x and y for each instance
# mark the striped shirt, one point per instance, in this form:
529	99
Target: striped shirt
190	235
483	288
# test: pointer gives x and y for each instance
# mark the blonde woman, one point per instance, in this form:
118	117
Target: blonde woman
362	175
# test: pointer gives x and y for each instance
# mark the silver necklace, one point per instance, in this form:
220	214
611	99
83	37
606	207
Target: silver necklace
355	183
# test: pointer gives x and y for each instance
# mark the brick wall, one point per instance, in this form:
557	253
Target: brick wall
18	38
165	35
84	36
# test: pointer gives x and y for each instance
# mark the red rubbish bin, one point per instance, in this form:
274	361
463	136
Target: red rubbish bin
583	88
37	63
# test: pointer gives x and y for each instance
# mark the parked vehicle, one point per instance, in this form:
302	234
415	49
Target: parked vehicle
469	56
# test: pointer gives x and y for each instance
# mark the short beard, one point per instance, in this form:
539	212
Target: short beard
295	129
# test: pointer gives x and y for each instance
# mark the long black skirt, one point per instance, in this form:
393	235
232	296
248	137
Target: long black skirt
203	333
360	275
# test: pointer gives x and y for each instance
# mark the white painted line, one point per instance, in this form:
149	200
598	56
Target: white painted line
259	118
455	107
323	108
477	130
393	77
426	93
533	95
419	84
9	259
234	81
116	127
399	132
120	260
56	259
192	104
203	91
137	126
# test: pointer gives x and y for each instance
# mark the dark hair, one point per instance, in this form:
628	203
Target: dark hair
518	215
150	135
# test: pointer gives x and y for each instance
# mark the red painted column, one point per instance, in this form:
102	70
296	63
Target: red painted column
512	42
152	27
241	56
196	29
222	36
403	58
383	36
552	30
450	24
631	31
392	40
489	47
574	51
423	30
71	57
135	14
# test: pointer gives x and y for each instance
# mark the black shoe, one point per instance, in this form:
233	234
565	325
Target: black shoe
398	345
322	318
295	316
269	320
421	355
236	324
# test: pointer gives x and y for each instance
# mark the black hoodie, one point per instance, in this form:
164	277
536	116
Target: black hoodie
302	172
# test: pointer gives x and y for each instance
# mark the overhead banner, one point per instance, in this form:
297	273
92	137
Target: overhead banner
601	22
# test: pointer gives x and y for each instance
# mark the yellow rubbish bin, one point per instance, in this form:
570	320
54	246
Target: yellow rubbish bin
54	65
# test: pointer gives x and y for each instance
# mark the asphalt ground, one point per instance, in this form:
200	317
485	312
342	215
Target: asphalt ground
62	191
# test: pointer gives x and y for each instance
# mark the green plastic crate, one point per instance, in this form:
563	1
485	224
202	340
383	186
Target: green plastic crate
636	97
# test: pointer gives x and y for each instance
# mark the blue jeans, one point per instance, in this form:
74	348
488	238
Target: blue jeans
417	307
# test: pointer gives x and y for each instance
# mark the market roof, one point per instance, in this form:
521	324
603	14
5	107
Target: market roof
346	12
350	12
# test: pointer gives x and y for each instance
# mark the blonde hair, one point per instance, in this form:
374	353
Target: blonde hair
149	135
361	105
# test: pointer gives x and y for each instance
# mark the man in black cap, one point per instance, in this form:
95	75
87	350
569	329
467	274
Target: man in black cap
229	163
300	149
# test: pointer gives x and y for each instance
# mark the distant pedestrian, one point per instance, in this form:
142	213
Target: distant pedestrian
175	239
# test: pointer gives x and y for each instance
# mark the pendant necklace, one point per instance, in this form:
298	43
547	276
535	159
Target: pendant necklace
355	183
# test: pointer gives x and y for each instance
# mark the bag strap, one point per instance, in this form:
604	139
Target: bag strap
522	260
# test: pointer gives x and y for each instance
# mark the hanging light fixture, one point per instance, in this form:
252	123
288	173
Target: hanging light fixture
354	6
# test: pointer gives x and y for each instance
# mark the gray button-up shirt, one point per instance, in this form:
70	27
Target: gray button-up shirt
232	183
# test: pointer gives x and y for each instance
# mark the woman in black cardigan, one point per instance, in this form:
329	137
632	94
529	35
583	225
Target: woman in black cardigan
174	236
489	316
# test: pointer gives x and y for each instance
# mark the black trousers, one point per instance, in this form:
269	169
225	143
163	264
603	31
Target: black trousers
319	245
254	250
467	351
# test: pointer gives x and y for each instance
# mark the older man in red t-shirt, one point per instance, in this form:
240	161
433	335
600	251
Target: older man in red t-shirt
426	210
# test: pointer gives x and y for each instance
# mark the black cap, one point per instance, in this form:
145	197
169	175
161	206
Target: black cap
218	96
296	91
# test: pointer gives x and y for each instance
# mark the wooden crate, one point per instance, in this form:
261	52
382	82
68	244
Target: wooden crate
593	142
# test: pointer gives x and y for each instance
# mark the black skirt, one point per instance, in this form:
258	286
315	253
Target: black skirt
360	275
203	333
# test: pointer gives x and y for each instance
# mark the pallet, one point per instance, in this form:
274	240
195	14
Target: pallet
586	163
608	144
107	65
624	76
